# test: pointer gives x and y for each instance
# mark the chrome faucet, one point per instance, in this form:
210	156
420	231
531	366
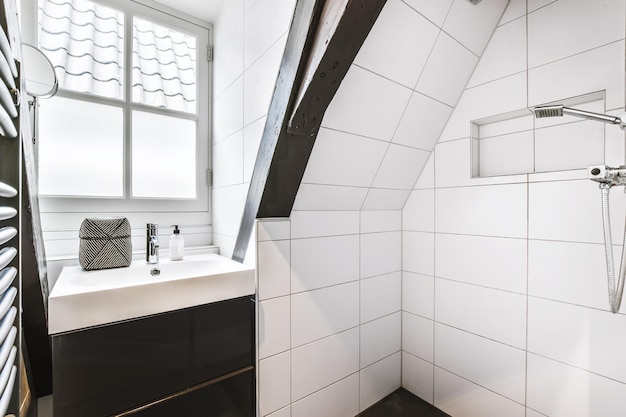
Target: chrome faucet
152	243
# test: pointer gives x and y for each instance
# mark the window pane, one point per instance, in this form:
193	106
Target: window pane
81	148
85	42
164	67
164	156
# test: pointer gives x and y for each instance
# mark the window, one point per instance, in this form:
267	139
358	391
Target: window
129	125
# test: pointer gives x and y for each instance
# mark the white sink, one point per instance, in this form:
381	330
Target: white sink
83	299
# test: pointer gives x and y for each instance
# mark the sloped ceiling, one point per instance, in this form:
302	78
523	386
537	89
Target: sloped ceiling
396	99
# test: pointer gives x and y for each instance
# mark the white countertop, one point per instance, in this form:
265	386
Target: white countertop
82	299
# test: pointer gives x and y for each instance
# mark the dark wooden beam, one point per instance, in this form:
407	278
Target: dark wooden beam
344	27
299	39
311	72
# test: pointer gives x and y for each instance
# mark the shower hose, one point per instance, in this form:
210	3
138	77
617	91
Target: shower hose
615	293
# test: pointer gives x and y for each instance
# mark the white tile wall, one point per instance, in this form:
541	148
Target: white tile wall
497	351
324	312
230	65
494	314
227	22
251	140
582	337
323	223
418	36
381	221
427	177
337	400
448	69
334	150
400	168
506	53
486	100
551	213
227	208
461	210
569	77
569	272
417	376
319	364
373	112
603	24
274	326
515	10
434	10
273	229
486	261
228	160
559	390
533	413
229	111
473	24
284	412
379	380
380	338
418	294
614	153
341	326
422	122
418	252
274	389
536	4
584	142
382	199
321	262
420	211
462	398
452	166
259	36
380	253
417	336
511	154
380	296
273	269
259	80
328	197
495	366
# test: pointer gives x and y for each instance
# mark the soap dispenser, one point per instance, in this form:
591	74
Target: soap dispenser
177	245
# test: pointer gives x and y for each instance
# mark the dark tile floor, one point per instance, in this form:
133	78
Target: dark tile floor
401	403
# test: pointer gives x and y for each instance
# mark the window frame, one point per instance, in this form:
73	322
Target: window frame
202	31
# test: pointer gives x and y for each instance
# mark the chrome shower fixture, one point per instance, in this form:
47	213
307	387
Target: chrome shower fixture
560	110
475	1
607	177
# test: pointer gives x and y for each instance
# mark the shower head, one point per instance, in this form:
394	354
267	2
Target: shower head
560	110
548	111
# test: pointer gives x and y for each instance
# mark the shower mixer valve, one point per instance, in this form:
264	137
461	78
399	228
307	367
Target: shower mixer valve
607	175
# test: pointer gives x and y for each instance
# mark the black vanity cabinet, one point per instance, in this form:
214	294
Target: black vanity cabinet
193	362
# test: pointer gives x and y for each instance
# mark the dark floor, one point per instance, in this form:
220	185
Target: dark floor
401	403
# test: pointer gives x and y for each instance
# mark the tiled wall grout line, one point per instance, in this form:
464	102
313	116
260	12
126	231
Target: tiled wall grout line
359	304
434	242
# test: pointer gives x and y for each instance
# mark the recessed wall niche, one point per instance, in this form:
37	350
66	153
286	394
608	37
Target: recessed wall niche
518	143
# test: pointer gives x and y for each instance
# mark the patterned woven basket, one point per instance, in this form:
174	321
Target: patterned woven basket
105	243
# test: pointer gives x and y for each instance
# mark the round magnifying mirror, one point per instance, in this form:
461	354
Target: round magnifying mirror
41	80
